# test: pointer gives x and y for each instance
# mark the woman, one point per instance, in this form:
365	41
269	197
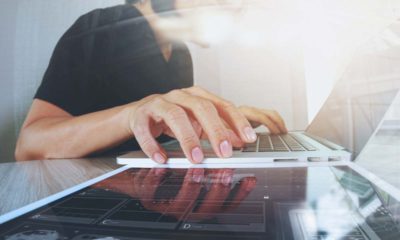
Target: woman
118	79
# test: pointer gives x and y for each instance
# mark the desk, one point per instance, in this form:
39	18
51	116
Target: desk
26	182
270	203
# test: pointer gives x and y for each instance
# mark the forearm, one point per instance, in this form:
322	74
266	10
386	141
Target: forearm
74	137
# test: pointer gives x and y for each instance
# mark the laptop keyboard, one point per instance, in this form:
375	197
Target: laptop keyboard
278	143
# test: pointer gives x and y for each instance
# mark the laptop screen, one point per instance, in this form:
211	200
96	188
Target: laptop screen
272	203
363	95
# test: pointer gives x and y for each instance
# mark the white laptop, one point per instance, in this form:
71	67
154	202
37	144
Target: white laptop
346	122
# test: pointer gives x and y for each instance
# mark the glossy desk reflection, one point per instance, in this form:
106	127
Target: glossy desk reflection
277	203
194	197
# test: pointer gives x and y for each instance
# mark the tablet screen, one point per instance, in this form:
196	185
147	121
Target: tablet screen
269	203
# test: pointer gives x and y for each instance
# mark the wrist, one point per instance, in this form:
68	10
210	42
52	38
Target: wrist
127	116
129	111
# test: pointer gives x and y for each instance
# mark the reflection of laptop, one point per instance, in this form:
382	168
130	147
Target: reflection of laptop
348	119
305	226
371	219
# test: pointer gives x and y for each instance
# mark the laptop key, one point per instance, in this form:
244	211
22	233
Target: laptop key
277	143
309	147
298	150
265	150
305	144
292	143
264	142
249	149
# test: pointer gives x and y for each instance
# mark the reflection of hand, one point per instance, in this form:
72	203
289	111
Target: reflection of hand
214	201
188	192
144	184
219	190
120	183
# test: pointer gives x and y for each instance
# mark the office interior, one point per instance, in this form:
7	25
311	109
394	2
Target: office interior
285	55
295	63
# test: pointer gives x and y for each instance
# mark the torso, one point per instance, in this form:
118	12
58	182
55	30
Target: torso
114	59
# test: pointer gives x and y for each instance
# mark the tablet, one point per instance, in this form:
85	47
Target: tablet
304	202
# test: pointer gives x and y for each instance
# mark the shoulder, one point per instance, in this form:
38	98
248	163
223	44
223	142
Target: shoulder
182	49
102	19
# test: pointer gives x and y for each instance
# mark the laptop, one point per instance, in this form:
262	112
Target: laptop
283	203
346	122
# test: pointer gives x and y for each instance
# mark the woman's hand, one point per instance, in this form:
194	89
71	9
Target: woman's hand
185	114
189	114
269	118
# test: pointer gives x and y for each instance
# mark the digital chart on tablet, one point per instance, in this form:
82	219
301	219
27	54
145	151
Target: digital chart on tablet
324	202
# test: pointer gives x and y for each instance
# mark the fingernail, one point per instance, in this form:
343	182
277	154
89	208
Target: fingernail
226	149
249	185
227	180
158	157
250	134
197	155
159	171
198	178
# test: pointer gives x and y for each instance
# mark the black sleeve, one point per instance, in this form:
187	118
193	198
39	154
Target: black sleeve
68	82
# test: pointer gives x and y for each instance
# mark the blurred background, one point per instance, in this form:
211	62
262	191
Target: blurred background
287	55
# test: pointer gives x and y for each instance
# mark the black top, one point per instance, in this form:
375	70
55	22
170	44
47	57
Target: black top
110	57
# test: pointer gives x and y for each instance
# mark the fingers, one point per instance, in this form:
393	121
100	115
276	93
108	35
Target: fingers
150	184
198	175
229	113
277	119
246	186
196	126
191	185
177	121
192	113
139	178
143	134
219	190
189	191
236	141
270	119
207	116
